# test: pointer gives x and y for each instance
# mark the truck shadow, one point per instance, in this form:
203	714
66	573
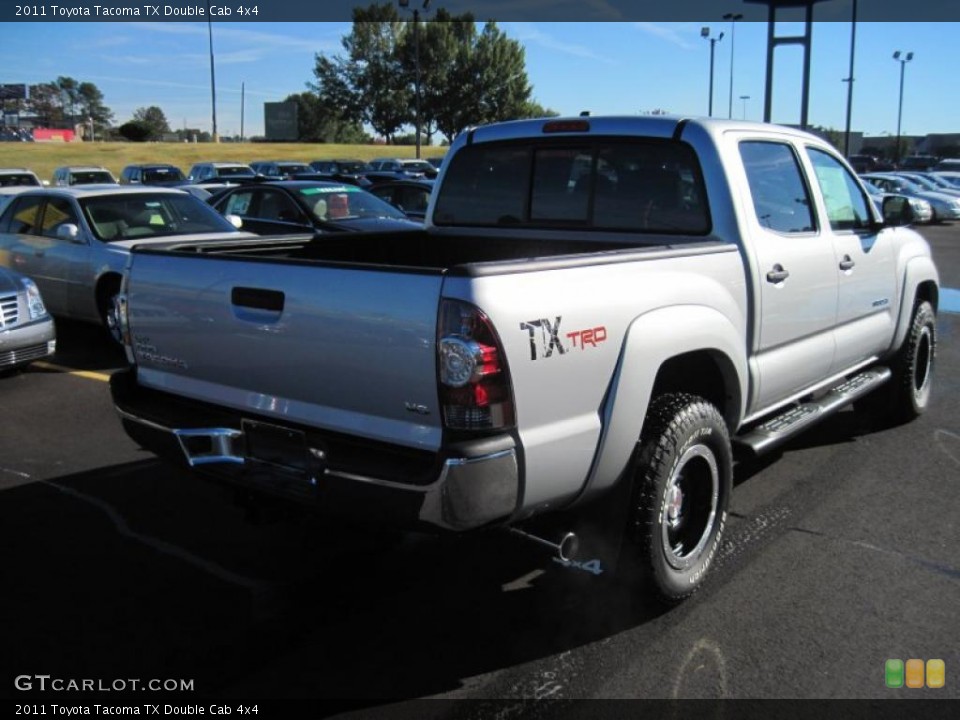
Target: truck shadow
85	346
139	571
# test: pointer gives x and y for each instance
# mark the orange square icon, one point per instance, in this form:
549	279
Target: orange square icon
914	674
936	673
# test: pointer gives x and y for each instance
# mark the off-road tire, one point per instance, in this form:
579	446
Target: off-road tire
913	366
673	534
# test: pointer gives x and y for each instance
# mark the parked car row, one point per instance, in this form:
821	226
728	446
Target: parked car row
924	163
63	246
944	202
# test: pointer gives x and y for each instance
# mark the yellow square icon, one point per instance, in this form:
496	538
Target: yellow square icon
936	673
914	674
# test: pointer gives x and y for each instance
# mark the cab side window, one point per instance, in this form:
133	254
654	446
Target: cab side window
238	203
59	211
847	206
781	199
24	215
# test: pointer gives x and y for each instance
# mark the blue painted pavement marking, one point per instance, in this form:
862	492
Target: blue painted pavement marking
949	300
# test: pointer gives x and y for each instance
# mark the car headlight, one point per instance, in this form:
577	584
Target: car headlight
35	304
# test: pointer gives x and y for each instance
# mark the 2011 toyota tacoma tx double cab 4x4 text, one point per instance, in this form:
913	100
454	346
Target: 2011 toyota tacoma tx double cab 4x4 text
596	310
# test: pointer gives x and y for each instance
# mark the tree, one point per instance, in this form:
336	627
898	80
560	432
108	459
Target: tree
532	109
466	77
65	102
368	84
92	107
136	131
318	122
154	120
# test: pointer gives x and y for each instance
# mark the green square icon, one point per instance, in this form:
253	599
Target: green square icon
894	673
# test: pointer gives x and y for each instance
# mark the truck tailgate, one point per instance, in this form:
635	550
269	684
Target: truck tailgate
346	349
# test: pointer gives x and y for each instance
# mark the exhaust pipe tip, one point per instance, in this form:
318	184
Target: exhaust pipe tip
568	547
565	550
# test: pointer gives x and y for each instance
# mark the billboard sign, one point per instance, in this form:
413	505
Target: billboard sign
280	121
13	92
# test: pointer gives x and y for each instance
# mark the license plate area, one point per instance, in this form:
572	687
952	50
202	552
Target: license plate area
281	448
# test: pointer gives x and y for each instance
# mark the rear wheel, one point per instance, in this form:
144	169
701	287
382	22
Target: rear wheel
683	475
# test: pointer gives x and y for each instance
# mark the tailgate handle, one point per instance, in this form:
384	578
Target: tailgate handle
257	298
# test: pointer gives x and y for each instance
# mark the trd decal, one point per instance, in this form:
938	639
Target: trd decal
545	336
588	337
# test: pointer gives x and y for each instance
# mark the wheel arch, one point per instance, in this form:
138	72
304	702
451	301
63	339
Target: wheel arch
690	348
110	279
920	283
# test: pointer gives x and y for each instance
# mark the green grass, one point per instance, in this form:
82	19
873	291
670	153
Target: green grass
43	158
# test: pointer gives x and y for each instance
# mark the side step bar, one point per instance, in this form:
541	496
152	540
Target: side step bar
780	428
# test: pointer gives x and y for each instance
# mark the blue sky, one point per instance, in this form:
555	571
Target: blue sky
607	68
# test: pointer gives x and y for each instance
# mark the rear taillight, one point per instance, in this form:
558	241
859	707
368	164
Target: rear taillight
474	382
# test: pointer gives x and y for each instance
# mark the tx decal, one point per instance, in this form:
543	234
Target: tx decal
545	337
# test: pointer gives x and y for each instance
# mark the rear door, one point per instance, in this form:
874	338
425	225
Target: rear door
24	248
796	276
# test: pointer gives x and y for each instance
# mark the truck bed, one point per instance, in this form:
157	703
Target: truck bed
434	252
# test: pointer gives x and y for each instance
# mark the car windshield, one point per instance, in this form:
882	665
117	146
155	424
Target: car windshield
147	215
293	168
352	167
924	182
420	165
153	175
235	171
346	202
941	182
18	179
90	177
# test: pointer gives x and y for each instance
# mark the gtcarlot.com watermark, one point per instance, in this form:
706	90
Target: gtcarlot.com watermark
45	683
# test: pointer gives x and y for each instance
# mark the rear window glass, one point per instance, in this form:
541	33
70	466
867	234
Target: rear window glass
162	175
90	177
648	186
18	179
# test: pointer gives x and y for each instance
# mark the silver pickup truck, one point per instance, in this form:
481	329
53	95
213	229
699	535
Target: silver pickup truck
597	310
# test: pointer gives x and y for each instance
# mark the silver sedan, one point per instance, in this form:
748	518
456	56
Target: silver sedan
74	242
26	329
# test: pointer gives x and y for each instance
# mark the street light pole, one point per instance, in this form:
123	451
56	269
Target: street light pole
849	80
744	98
404	4
213	81
732	17
705	33
903	64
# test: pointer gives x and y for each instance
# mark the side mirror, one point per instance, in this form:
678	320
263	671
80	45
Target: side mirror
235	220
897	211
68	231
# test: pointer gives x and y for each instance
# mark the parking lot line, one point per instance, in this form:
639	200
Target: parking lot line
90	375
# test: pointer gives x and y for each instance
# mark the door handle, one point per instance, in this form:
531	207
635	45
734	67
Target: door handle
778	274
847	263
258	298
